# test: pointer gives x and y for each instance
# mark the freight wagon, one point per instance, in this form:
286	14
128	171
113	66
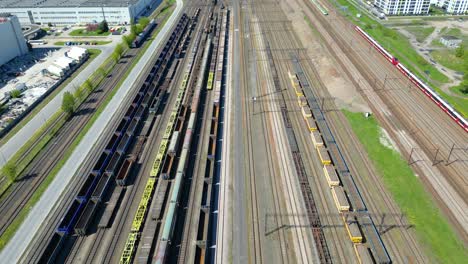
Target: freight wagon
316	137
306	112
85	218
144	34
331	175
340	199
363	254
354	233
323	155
310	123
301	101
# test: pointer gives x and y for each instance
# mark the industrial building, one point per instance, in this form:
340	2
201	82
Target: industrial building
68	12
13	43
454	6
450	41
403	7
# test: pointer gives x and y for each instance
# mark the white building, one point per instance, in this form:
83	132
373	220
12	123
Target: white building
12	42
69	12
450	41
403	7
454	6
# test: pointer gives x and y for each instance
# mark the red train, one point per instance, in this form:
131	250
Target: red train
457	117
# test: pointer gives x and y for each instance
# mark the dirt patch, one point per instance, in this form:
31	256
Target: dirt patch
340	87
387	141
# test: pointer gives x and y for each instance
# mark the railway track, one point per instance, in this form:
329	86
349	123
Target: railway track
48	158
422	122
36	251
272	170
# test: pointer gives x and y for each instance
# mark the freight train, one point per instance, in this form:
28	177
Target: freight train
144	34
416	81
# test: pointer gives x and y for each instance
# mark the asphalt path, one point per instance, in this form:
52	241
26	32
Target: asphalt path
239	239
12	252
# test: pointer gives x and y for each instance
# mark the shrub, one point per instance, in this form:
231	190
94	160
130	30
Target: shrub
68	103
15	93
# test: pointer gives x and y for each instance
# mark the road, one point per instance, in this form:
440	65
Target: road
239	223
18	244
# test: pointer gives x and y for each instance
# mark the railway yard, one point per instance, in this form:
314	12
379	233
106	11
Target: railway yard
231	147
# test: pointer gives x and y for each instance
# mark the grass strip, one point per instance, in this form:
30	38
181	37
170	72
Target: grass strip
11	230
400	46
421	33
432	228
83	33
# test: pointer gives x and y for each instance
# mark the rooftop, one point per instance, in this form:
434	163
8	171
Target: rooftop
65	3
449	37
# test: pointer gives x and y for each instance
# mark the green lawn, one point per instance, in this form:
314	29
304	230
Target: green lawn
401	48
82	32
432	228
456	90
436	43
98	42
448	59
395	43
421	33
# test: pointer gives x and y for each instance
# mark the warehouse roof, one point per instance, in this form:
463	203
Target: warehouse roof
65	3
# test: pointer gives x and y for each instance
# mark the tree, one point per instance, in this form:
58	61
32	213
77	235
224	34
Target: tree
128	39
68	103
101	71
133	29
78	93
103	26
9	170
15	93
464	87
143	21
119	49
115	56
460	51
88	85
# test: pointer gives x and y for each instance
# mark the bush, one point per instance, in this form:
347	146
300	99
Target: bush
139	29
9	171
460	51
464	87
15	93
78	93
143	21
88	85
129	39
119	49
68	103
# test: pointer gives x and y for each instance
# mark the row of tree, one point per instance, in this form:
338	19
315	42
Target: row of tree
71	101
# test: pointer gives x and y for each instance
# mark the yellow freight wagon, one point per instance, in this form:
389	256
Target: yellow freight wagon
331	175
352	227
340	199
323	155
316	138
